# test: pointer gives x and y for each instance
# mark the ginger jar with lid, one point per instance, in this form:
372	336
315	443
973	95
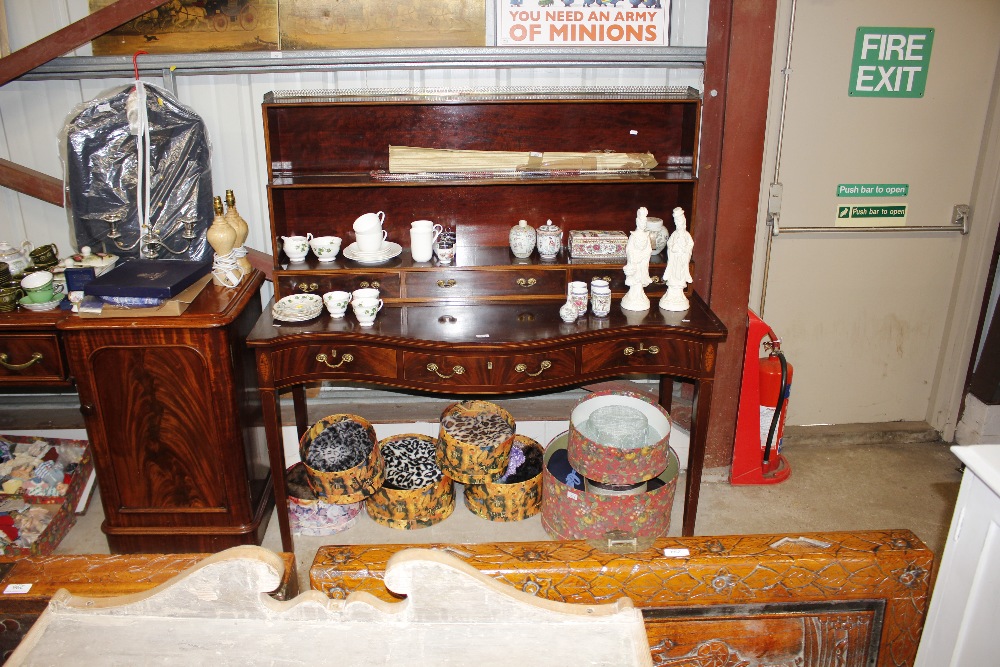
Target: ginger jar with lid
522	239
549	240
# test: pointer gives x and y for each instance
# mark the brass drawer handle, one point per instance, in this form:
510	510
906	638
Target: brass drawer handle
530	282
446	283
656	280
652	349
373	284
542	367
344	359
308	287
455	370
35	358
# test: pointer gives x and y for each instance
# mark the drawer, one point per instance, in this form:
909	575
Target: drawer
645	354
328	361
443	370
528	369
320	283
31	357
466	284
616	277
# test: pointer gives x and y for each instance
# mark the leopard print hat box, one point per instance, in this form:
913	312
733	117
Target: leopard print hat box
416	493
475	441
342	459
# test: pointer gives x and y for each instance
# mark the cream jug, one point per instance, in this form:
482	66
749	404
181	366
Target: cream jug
16	259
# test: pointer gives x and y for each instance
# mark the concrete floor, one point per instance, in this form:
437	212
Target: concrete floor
842	480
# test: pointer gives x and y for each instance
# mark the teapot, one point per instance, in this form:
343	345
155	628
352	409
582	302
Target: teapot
16	259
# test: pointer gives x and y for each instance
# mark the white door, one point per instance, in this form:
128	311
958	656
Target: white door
879	326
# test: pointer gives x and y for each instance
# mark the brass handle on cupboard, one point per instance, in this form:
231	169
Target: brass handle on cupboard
652	349
308	287
529	282
542	367
656	280
35	358
446	283
344	359
455	370
373	284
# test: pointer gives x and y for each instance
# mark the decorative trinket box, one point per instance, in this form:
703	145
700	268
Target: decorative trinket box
475	441
308	515
415	493
342	459
618	437
572	512
515	495
597	243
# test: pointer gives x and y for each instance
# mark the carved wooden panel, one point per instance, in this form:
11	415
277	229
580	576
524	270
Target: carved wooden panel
828	599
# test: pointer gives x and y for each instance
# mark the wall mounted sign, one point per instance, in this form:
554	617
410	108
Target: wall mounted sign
873	190
890	62
871	216
582	22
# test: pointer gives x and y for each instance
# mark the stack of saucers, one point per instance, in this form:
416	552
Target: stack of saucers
5	276
298	308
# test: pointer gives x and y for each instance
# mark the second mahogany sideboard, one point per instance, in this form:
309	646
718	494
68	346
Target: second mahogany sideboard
486	349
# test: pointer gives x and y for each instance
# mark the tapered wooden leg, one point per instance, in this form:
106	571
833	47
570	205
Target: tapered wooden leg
301	410
666	392
701	408
276	454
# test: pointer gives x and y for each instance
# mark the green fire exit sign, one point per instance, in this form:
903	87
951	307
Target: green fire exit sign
890	62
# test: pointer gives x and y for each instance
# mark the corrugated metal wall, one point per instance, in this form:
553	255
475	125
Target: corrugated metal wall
32	113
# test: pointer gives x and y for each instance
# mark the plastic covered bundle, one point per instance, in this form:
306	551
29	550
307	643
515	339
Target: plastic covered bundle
111	144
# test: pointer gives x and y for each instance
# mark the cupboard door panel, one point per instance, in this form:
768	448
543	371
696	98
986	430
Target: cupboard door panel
157	418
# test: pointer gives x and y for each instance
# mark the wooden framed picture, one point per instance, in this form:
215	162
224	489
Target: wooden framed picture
363	24
197	26
194	26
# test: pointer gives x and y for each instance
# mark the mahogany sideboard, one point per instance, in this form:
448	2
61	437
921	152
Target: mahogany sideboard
171	415
800	600
486	349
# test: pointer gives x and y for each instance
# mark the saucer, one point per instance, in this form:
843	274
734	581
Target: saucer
297	307
389	251
44	305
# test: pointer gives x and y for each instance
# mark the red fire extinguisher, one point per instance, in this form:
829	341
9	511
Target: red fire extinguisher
760	422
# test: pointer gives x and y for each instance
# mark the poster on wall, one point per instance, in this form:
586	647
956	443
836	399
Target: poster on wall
583	22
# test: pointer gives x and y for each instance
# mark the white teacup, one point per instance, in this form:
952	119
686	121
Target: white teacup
369	222
371	242
296	247
366	310
325	247
364	293
336	303
426	225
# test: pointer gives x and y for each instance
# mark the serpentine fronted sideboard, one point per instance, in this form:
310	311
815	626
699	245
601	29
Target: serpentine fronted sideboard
486	349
